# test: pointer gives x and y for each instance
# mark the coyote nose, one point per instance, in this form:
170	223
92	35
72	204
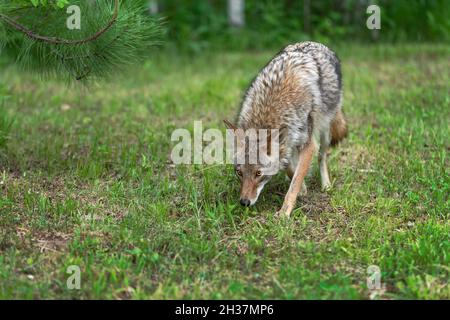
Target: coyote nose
245	202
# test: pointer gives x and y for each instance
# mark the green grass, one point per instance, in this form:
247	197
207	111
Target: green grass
85	180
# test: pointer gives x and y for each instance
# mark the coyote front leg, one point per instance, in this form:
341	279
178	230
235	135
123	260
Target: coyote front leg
304	162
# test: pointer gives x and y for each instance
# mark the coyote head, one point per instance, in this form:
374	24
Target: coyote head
255	157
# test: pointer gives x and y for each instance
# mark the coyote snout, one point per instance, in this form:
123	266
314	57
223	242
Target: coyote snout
248	192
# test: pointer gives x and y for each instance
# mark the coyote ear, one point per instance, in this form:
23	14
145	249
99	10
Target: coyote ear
229	125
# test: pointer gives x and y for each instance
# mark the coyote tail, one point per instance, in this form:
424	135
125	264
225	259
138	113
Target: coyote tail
338	128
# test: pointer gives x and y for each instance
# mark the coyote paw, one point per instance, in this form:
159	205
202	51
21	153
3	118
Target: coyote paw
326	184
280	215
326	187
283	212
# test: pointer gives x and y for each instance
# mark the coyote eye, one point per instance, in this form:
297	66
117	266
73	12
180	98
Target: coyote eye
258	173
239	173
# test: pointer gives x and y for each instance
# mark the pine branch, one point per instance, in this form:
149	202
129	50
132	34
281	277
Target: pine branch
111	39
37	37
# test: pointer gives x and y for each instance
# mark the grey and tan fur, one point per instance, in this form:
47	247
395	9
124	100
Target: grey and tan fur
298	92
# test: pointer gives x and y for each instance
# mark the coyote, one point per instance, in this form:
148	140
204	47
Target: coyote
299	92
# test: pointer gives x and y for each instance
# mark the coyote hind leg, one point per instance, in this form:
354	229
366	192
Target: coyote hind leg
325	138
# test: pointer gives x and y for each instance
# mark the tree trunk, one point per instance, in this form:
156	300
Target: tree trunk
153	6
236	15
307	16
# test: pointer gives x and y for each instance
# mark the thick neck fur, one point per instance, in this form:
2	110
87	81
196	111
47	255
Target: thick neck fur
273	100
